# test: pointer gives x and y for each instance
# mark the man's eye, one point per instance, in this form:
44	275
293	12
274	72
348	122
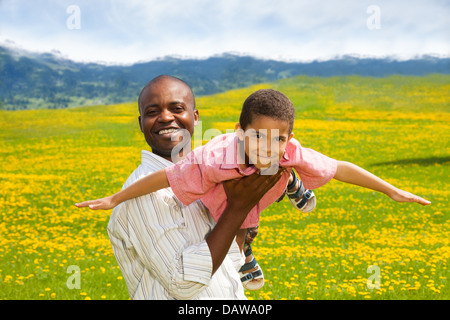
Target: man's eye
150	112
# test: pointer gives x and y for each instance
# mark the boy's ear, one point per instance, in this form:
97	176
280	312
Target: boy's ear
291	136
239	131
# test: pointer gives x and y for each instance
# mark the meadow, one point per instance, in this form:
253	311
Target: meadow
357	244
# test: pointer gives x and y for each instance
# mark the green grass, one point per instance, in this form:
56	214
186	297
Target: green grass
396	127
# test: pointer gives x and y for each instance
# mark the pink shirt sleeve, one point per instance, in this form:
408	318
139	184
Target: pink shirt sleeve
189	178
314	168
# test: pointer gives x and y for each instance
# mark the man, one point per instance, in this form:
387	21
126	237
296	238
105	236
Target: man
166	250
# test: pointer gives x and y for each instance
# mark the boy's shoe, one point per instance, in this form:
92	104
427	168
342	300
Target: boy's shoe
303	199
251	280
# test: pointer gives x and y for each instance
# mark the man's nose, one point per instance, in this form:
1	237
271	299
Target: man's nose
165	116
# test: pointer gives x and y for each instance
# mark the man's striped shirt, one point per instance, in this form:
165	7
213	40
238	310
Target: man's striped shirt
161	249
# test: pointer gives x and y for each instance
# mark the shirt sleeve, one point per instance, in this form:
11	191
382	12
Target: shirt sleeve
150	232
191	178
314	168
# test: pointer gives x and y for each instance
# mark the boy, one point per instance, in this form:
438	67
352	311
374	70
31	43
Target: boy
263	141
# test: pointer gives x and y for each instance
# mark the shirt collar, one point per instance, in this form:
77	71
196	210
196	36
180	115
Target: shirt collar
285	155
152	159
230	160
230	154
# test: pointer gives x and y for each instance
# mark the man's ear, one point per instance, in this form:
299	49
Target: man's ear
239	131
196	117
140	124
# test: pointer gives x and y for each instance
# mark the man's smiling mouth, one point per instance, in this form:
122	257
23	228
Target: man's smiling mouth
167	131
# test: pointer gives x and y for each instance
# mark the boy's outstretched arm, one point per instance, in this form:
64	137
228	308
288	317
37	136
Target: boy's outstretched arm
351	173
148	184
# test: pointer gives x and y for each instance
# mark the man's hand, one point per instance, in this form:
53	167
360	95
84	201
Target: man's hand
245	193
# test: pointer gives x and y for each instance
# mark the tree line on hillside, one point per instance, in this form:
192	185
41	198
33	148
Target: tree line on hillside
31	81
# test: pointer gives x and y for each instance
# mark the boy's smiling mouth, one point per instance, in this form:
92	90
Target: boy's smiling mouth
264	161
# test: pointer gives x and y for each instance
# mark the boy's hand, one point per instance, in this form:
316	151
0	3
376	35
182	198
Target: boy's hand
404	196
98	204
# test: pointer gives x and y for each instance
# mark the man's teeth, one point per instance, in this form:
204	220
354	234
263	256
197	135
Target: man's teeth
164	131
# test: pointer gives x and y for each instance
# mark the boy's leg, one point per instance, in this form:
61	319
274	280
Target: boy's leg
250	236
251	274
301	198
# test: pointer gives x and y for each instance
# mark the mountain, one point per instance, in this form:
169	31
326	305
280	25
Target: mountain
32	80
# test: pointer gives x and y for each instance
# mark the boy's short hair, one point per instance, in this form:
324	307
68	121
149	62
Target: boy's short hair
270	103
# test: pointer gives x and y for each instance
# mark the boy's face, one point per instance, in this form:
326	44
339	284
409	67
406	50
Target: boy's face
265	140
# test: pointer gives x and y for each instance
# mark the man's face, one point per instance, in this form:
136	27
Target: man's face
167	107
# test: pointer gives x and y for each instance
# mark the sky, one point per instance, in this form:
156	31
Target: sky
129	31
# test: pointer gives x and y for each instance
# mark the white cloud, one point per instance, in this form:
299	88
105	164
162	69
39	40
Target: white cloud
127	31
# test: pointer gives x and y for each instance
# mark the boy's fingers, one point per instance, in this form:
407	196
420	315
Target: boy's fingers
422	201
409	197
405	196
417	199
81	204
84	204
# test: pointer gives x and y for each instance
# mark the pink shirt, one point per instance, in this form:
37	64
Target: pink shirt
201	173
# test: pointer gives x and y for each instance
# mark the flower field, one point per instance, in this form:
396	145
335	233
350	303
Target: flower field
357	244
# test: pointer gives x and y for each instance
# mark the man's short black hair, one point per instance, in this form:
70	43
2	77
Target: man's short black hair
159	78
270	103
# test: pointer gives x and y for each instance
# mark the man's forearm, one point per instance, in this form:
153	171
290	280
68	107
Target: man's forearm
220	238
240	202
